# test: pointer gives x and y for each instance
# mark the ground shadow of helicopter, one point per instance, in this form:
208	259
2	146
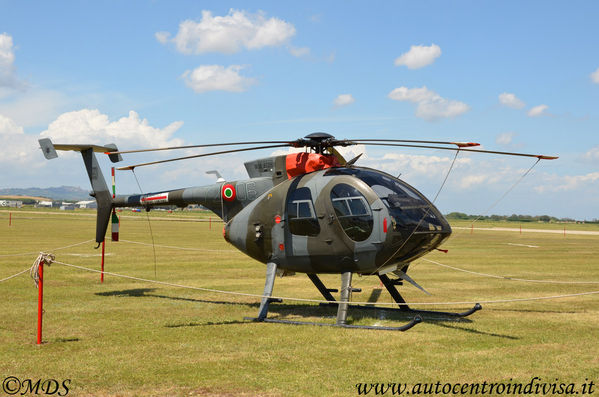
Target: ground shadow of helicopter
311	212
285	310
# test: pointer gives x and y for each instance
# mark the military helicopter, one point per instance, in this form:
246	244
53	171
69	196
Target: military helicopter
310	212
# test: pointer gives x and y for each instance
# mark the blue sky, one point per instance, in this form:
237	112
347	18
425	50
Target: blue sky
516	76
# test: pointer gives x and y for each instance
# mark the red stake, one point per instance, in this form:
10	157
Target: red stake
210	223
9	218
520	229
40	302
102	273
564	231
471	228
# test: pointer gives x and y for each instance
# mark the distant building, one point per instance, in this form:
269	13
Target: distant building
67	206
87	204
11	203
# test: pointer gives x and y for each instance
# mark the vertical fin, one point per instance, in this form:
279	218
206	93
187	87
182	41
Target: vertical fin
101	193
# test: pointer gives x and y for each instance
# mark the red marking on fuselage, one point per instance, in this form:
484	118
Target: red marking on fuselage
154	198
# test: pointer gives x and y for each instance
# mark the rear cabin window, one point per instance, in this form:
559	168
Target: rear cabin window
353	211
300	213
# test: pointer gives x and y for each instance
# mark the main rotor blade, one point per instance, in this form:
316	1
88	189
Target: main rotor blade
539	156
131	167
197	146
458	144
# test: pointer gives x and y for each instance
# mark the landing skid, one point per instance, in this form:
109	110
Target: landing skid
403	309
390	285
406	327
342	306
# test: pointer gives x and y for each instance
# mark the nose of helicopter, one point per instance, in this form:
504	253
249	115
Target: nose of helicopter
411	240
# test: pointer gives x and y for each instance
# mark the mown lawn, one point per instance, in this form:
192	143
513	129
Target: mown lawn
131	338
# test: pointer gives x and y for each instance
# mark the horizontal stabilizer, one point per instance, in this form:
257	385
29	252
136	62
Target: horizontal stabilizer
50	149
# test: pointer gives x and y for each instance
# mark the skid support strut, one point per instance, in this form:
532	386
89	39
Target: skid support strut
403	306
326	292
345	297
271	272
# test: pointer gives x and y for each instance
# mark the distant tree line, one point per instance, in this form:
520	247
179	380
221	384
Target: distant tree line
513	218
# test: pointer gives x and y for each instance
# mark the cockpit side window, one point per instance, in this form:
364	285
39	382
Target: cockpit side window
300	213
352	211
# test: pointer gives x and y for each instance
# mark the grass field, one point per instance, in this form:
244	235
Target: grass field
130	338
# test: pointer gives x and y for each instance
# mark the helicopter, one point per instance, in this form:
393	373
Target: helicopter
308	212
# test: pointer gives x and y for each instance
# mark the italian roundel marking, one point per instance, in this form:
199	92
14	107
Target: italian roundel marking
228	192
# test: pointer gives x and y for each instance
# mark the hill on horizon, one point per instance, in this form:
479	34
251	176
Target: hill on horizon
54	193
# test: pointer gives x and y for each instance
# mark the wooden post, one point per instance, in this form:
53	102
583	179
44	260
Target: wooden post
520	229
102	272
471	228
9	218
40	302
210	223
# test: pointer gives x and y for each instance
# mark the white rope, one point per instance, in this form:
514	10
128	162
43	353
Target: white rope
178	248
54	249
43	258
324	301
508	277
15	275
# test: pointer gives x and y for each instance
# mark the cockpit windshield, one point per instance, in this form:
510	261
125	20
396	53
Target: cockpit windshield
406	205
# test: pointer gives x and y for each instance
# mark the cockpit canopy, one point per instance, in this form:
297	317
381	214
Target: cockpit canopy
408	207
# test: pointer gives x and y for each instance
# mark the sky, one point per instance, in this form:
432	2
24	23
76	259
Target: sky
511	75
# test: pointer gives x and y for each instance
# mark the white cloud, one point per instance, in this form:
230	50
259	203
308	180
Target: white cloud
8	77
469	181
217	78
18	147
556	183
595	76
299	51
422	165
344	100
91	126
419	56
36	108
505	138
511	101
431	106
230	33
538	111
592	154
162	37
9	127
23	164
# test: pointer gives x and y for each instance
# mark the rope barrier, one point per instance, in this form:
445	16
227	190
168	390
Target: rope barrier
179	248
43	258
15	275
55	249
324	301
508	277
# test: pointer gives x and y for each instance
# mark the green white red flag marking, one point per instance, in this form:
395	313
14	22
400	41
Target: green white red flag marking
228	192
115	226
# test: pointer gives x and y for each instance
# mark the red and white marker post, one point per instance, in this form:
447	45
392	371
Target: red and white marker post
40	301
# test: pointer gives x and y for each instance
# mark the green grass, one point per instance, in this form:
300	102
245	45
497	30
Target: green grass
131	338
